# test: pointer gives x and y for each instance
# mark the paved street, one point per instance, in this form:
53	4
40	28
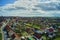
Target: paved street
3	32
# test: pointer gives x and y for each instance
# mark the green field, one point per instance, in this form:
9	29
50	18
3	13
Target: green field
0	36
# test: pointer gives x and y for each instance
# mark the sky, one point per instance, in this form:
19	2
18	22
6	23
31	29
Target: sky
3	2
30	8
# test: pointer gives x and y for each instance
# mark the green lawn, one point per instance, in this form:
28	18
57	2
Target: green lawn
0	29
57	39
0	36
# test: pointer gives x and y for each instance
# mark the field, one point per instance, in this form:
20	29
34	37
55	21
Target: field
0	36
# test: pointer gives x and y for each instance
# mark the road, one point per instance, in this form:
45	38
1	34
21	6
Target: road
3	32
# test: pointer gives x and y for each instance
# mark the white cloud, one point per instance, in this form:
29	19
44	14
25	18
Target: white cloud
27	8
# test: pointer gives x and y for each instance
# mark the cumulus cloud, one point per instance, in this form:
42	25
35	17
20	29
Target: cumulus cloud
49	6
31	8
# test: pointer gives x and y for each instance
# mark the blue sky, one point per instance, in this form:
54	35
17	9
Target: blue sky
30	8
4	2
